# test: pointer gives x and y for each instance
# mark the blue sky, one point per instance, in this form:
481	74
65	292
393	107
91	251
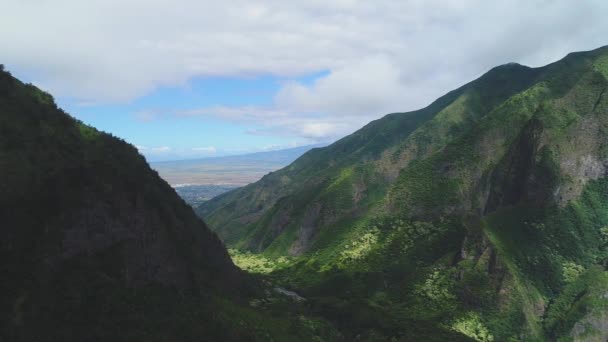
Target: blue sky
150	122
193	78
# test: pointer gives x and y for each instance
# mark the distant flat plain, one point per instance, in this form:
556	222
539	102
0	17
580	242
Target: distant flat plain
198	180
214	171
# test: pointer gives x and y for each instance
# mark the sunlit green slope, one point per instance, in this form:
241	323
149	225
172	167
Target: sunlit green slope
486	212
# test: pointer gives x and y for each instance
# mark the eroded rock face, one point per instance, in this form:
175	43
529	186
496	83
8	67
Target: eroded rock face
307	229
592	328
514	179
583	158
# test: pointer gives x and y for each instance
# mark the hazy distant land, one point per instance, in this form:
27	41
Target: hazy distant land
199	180
197	194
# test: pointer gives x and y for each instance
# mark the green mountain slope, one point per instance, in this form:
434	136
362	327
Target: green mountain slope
91	237
486	212
95	246
366	161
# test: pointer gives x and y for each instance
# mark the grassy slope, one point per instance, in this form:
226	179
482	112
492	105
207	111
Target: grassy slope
484	213
366	158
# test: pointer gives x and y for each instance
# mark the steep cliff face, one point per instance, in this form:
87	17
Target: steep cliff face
486	211
92	239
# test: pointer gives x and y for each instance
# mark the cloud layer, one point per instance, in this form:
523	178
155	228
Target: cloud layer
379	57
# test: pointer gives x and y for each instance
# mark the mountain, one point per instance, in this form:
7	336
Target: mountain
91	237
485	212
95	246
235	170
282	156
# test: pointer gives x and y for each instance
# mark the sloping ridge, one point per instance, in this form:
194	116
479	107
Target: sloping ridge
244	216
486	212
270	214
94	244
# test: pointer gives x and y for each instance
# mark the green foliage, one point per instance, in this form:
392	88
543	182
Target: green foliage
601	65
276	320
583	295
437	287
88	132
422	185
361	247
40	96
257	263
572	271
471	325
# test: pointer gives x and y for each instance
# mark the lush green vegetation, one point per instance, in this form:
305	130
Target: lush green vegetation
481	217
483	214
97	247
257	263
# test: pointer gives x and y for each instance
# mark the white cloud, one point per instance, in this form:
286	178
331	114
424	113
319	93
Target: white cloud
207	149
153	150
161	149
371	86
381	56
281	121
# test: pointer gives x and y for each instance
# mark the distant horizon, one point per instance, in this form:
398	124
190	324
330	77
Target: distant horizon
232	170
196	79
311	146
